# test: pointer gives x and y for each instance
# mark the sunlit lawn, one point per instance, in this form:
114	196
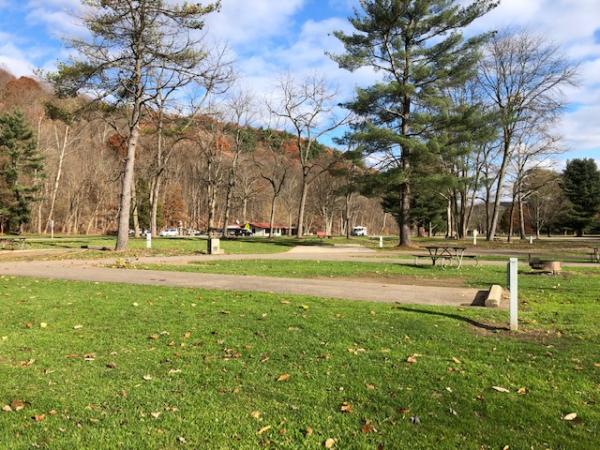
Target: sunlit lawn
121	366
161	246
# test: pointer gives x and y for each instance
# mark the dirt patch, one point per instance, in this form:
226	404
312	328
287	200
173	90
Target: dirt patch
543	337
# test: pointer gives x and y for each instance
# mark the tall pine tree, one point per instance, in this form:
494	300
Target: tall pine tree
581	184
21	171
418	47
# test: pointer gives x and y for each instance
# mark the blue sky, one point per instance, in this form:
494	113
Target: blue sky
271	37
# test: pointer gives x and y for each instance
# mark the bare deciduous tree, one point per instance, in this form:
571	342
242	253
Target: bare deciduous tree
309	110
523	76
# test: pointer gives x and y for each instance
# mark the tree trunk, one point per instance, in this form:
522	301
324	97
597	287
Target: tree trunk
501	173
135	211
522	218
511	219
347	216
272	216
154	196
449	224
132	142
61	158
126	187
304	194
228	197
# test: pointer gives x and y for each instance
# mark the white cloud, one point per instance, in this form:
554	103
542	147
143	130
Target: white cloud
248	24
12	58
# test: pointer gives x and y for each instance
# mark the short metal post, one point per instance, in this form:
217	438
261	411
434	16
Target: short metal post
513	286
148	240
380	241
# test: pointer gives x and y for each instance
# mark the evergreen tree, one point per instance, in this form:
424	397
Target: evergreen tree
21	169
581	184
418	47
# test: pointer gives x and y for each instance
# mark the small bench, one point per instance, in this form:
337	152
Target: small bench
12	243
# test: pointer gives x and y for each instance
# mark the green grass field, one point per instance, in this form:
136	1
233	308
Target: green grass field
120	366
160	246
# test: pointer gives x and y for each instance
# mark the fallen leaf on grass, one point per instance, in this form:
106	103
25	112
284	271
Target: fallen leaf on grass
570	417
89	357
28	325
456	360
597	365
255	414
346	407
370	387
368	427
285	302
39	418
329	443
412	359
43	325
264	430
522	391
500	389
356	350
17	405
111	365
174	371
53	412
6	408
147	377
155	415
78	327
283	377
308	432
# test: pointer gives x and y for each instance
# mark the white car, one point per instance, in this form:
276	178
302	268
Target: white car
360	231
169	232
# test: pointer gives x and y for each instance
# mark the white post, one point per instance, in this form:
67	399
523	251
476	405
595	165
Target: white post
380	241
530	240
475	234
513	285
148	240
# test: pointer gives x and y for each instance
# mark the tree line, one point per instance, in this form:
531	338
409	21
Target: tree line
457	133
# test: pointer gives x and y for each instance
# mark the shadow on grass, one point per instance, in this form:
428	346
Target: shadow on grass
474	323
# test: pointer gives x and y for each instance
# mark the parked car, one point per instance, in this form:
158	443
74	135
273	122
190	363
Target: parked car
360	231
169	232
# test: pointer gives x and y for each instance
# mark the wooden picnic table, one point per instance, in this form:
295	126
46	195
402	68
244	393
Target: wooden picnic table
450	253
